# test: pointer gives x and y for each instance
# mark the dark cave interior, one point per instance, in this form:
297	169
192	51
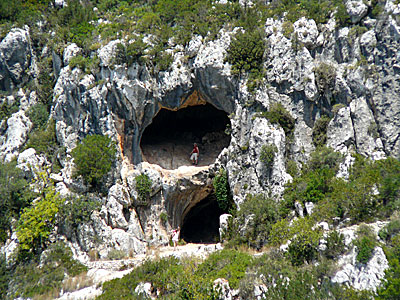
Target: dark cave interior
169	139
201	224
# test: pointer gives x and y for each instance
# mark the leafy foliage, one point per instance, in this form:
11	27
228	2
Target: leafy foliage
335	245
143	187
76	211
14	196
38	115
44	139
37	221
57	262
267	154
304	239
365	243
277	114
245	52
93	158
7	109
252	223
320	130
4	277
228	264
304	244
222	190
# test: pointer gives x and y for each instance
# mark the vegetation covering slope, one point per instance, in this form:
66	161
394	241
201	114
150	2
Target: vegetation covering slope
33	207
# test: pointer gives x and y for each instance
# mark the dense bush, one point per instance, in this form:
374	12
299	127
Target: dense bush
93	158
44	139
335	245
365	243
76	211
37	222
245	52
277	114
31	279
285	281
86	64
14	196
325	75
319	131
267	154
252	223
7	109
222	191
315	182
4	277
228	264
143	188
39	115
304	242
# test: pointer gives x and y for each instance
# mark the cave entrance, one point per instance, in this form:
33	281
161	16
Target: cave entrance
201	223
169	139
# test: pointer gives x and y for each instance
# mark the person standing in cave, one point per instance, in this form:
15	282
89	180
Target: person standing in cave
195	154
175	236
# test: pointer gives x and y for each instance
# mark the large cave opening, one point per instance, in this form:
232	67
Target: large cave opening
201	223
169	139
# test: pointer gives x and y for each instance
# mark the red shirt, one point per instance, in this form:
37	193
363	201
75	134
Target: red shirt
195	150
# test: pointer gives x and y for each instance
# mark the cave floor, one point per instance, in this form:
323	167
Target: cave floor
172	154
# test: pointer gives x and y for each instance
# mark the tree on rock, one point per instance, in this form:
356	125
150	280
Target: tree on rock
93	158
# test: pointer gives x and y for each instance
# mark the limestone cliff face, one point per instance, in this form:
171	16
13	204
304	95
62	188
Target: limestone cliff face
314	71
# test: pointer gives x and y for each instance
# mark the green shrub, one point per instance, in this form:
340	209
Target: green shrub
390	230
304	242
115	254
257	214
287	29
222	191
4	277
7	109
228	264
325	76
164	274
319	131
31	279
39	115
76	211
44	139
342	16
365	243
324	158
245	52
87	65
14	196
37	222
390	288
143	187
335	245
373	130
337	107
93	158
278	114
267	154
280	232
164	218
291	168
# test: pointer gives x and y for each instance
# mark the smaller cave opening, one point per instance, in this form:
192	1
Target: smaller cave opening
201	223
169	139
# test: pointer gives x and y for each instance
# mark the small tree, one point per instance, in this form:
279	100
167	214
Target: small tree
93	158
222	190
143	187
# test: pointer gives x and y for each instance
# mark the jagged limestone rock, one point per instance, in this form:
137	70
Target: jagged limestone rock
18	127
15	59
